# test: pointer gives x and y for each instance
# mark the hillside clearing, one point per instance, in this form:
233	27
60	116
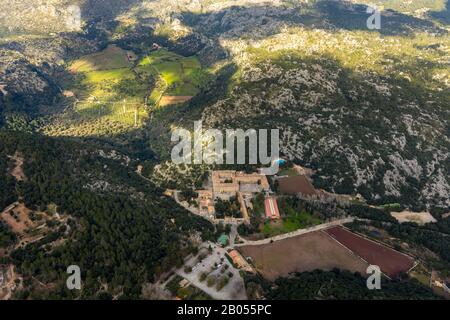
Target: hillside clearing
420	218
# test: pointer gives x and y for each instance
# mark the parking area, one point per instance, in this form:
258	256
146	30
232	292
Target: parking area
214	275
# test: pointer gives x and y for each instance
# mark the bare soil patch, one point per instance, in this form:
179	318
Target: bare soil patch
391	262
18	219
420	218
307	252
297	184
168	100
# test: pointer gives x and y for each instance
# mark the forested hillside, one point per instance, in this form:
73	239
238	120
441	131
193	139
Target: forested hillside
80	105
336	285
121	231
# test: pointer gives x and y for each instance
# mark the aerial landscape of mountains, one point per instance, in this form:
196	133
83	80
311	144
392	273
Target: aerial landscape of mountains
91	93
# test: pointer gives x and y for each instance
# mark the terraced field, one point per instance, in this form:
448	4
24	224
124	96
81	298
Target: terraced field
105	96
178	76
113	91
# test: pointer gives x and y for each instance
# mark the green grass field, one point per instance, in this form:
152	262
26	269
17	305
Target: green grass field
290	223
112	57
110	96
292	218
111	87
181	76
290	172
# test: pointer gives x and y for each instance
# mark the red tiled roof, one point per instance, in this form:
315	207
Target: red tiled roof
271	207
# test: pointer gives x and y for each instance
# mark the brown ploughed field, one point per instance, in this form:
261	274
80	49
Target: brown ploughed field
307	252
391	262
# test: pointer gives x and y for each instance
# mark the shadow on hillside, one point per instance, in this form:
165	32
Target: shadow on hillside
326	14
235	21
443	15
92	10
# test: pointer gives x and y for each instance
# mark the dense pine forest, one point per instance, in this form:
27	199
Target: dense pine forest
336	284
121	232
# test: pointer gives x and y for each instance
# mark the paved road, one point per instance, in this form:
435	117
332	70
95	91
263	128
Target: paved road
233	235
296	233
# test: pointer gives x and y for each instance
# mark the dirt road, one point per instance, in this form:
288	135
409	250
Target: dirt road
296	232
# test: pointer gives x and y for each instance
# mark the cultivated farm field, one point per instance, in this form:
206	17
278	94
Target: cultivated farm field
390	261
307	252
112	57
180	76
108	96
